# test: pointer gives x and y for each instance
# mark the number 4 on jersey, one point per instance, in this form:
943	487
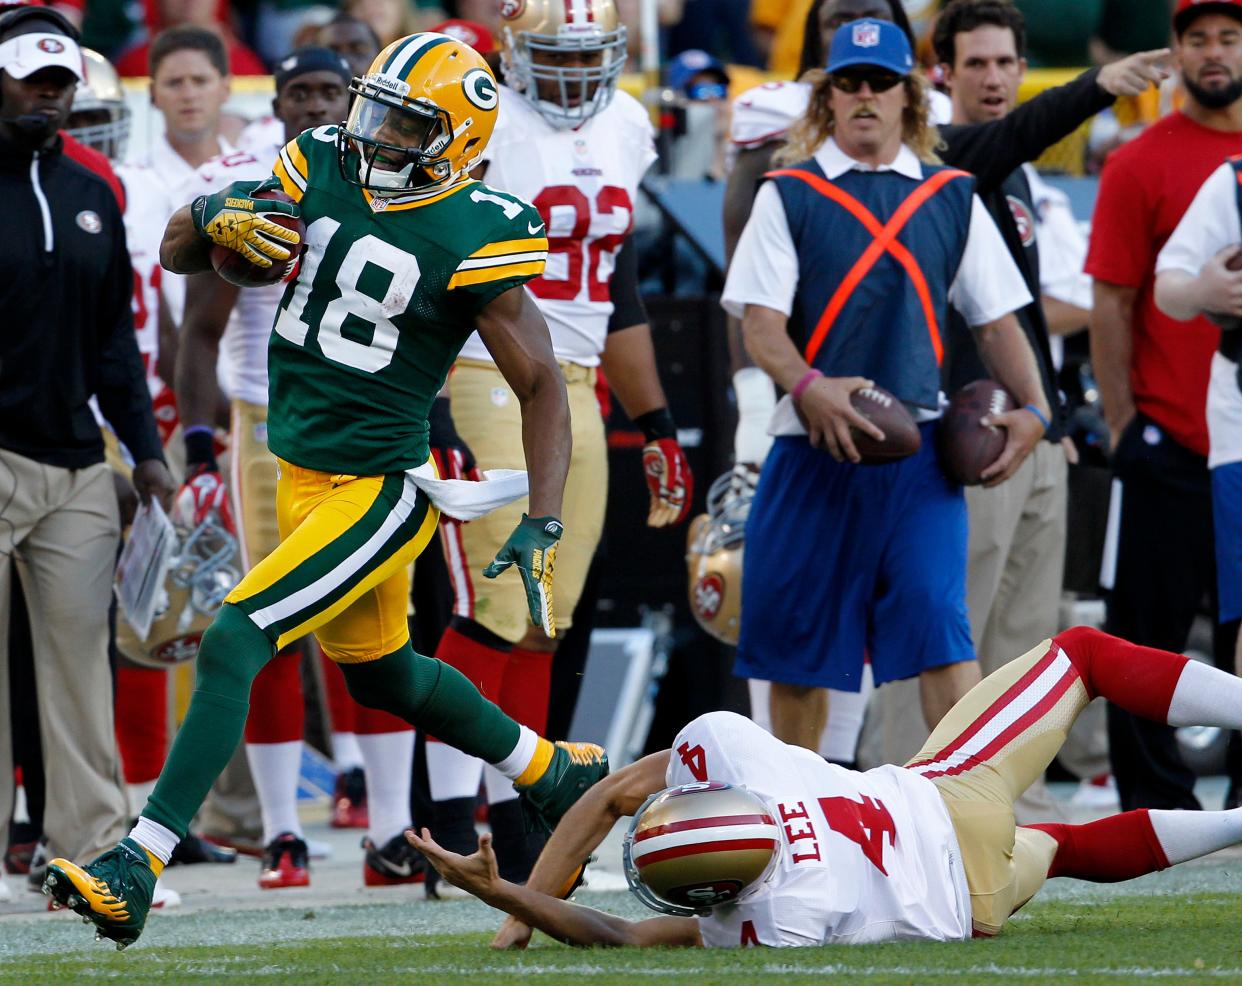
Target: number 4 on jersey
865	823
694	759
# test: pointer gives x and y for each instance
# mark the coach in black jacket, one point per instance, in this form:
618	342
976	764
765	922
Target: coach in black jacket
1017	531
66	334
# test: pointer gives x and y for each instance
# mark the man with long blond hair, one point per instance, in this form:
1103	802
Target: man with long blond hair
857	245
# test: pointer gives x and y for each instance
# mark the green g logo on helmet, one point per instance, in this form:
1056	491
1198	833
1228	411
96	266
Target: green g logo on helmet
480	88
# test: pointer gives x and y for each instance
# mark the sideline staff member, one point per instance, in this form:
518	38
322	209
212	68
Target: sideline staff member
69	335
842	560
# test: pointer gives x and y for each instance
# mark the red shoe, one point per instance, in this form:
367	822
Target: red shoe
395	862
349	800
286	863
18	856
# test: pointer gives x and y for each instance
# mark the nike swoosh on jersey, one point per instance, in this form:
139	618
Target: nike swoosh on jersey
533	229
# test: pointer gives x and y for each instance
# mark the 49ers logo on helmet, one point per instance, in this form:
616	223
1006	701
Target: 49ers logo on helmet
708	595
179	650
709	894
50	45
512	8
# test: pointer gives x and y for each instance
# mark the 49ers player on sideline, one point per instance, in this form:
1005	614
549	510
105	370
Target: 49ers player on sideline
406	256
576	148
224	323
749	841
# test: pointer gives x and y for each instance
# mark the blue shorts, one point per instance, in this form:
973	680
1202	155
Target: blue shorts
844	562
1227	520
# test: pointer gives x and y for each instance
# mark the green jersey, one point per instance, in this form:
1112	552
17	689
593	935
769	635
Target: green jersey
387	294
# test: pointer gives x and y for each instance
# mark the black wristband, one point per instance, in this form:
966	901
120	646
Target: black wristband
656	425
200	448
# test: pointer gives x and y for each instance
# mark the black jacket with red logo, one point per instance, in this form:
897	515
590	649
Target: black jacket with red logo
66	327
994	152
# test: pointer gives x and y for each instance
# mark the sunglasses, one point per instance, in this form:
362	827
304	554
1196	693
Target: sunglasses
851	82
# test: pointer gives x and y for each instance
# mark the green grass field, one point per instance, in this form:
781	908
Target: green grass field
1082	935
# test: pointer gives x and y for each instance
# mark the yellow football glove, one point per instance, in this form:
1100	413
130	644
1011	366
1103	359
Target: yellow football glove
532	547
233	218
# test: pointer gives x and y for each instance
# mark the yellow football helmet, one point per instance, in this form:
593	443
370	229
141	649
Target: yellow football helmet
693	847
564	56
100	117
714	546
421	116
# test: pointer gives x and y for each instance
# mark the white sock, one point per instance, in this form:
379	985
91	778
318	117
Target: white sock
1187	835
1206	696
137	794
275	768
760	702
519	759
846	711
154	838
450	773
389	761
346	754
499	787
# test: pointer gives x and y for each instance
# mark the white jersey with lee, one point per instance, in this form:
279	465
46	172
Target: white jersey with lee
243	350
763	114
584	183
865	857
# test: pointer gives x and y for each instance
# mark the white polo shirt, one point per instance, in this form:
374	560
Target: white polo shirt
1208	226
764	270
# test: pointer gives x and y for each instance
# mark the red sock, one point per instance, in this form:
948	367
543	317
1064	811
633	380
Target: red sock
525	691
369	722
483	665
1116	848
142	722
1139	679
341	708
277	708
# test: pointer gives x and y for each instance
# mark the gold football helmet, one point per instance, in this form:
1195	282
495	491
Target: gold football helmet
564	56
100	117
693	847
202	572
421	116
714	558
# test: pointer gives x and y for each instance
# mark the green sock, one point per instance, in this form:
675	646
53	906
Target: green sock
437	698
232	653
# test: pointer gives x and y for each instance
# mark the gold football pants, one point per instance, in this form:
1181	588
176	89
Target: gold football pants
341	570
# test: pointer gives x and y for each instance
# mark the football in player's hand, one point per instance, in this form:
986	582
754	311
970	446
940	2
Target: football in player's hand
886	412
1228	321
967	446
236	269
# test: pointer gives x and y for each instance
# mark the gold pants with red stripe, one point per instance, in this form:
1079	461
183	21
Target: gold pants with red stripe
991	747
488	417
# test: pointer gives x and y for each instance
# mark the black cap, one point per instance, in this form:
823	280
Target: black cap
311	60
11	16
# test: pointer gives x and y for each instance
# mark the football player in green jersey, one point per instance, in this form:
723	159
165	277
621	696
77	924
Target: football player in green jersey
405	256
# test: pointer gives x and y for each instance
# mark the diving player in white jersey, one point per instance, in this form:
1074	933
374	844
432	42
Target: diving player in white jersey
747	841
576	148
224	321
